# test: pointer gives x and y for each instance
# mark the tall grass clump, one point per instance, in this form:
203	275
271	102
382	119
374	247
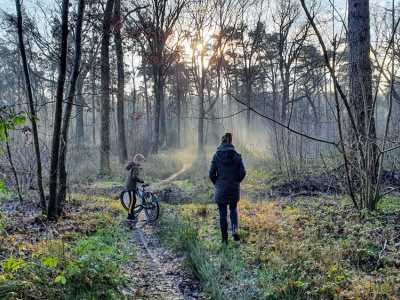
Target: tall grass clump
222	273
181	234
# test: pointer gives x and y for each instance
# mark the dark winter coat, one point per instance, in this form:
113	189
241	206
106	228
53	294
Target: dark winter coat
226	173
131	176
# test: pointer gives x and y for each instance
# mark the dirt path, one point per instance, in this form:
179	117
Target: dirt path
156	272
172	177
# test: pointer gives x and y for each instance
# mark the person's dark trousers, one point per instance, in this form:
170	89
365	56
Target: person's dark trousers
223	222
132	198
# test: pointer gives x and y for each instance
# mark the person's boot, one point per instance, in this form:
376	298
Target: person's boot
132	218
224	239
235	235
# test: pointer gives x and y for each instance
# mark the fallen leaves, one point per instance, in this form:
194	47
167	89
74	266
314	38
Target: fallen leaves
137	292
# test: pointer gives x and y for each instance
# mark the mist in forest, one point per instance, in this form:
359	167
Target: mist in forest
108	80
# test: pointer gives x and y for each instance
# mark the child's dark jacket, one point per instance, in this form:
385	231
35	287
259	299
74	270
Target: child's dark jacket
131	176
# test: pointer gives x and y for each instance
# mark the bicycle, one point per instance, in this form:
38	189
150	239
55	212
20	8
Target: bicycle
144	200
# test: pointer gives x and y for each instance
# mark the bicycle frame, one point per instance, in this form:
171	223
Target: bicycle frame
145	199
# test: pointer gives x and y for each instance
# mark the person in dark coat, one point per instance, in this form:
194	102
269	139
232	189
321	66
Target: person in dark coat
131	178
226	173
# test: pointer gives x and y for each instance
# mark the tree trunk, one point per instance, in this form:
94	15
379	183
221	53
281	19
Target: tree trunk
248	101
149	131
80	133
62	192
105	92
163	123
52	206
33	117
179	99
363	137
200	133
158	92
93	84
123	156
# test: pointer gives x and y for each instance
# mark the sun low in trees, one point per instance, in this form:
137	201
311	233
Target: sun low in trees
155	28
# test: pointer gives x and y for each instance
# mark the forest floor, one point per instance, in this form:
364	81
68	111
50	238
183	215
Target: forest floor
152	271
279	226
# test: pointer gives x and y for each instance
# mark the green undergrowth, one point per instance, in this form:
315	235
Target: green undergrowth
83	255
291	248
80	257
309	249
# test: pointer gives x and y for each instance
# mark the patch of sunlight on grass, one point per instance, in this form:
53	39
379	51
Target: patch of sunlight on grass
117	206
184	183
347	200
389	203
247	185
91	199
107	184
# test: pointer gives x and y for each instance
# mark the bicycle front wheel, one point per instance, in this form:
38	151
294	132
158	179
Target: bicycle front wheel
125	201
124	198
152	209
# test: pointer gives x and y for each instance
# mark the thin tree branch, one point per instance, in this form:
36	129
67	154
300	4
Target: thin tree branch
280	124
328	65
132	11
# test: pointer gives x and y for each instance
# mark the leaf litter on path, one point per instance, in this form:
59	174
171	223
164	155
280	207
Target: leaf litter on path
157	271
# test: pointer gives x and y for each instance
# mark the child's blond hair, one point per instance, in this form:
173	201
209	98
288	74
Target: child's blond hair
138	157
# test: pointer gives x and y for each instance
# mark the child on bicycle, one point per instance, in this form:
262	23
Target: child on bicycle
131	178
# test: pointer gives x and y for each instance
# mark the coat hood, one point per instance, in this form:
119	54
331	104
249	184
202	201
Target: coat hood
130	165
226	151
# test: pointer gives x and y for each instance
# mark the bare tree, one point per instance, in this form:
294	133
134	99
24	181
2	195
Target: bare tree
105	91
88	66
33	116
157	26
123	156
363	159
249	39
363	135
210	36
55	150
69	104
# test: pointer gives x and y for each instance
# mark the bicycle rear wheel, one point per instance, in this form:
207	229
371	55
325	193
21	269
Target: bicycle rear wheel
151	208
125	201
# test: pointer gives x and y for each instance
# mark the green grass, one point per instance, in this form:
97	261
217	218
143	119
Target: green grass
300	248
84	262
291	248
299	251
87	268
